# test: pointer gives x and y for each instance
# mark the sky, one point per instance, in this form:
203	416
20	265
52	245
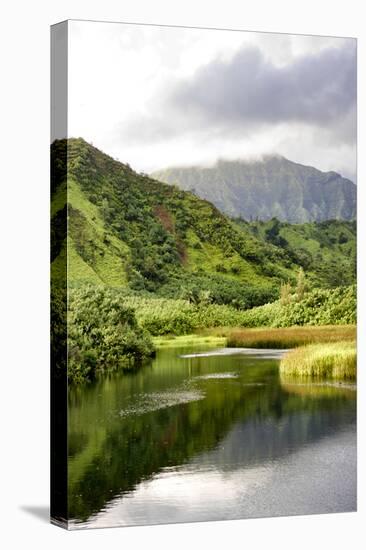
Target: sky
156	97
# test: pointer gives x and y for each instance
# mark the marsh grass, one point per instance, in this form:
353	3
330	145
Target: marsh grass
284	338
335	360
190	339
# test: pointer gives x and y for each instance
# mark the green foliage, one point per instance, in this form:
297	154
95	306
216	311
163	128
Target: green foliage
126	229
164	261
318	307
300	285
58	329
103	333
218	290
326	251
163	316
285	294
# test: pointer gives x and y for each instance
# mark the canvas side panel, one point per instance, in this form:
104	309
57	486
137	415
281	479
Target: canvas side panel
59	68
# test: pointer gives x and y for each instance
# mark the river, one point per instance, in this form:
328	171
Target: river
204	434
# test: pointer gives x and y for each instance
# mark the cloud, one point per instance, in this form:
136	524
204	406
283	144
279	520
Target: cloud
249	91
315	89
158	97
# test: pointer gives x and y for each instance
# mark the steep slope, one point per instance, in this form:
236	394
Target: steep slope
326	250
272	187
128	230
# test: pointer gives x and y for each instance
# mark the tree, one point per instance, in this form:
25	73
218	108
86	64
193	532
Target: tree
285	294
205	297
300	284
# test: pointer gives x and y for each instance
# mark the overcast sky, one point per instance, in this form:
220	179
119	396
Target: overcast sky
161	96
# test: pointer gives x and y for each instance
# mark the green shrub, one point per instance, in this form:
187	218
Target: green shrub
115	321
103	333
318	307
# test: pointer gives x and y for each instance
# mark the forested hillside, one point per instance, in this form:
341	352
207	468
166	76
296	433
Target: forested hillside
129	230
326	250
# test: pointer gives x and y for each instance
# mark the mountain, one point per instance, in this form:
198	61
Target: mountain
128	230
272	187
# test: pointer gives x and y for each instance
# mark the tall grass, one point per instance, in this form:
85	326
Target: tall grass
283	338
188	340
336	360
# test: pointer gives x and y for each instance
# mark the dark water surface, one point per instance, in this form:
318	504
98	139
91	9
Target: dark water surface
214	436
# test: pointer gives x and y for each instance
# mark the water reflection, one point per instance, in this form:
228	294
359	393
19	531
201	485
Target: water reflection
196	421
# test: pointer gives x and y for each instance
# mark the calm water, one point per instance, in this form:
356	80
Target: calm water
214	436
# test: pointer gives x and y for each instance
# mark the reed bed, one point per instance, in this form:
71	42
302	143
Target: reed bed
284	338
189	340
335	360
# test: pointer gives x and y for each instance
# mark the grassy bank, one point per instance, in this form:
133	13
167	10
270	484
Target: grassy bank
336	360
283	338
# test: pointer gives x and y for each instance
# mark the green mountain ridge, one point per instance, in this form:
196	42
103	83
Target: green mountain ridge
130	231
271	187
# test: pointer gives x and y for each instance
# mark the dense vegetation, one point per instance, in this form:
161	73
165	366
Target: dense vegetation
161	316
128	230
111	328
335	360
103	334
318	307
271	187
146	259
326	250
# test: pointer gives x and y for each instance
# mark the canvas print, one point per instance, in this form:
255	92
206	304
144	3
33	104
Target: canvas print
203	263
